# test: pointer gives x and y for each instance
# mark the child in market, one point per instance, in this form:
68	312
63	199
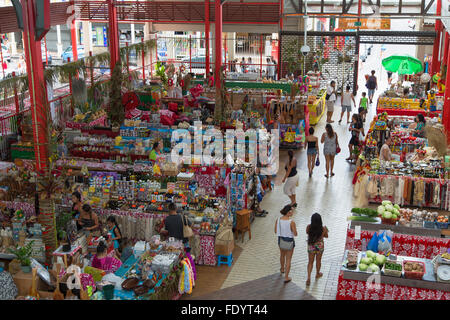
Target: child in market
363	103
104	262
115	234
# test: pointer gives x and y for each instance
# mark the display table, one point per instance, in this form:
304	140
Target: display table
408	112
354	286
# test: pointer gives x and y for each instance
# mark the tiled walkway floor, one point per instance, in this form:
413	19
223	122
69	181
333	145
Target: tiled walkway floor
332	198
271	287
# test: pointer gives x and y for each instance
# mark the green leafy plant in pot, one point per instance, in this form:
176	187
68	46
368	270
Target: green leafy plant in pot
23	254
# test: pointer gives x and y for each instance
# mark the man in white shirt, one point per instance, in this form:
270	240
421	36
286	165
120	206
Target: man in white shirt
331	99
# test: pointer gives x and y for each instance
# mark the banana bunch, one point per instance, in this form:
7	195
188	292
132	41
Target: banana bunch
446	256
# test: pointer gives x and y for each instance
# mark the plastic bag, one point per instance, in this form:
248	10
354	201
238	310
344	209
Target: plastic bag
385	242
373	243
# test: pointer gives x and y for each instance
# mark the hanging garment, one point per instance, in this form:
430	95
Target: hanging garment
406	190
372	188
361	198
399	191
436	195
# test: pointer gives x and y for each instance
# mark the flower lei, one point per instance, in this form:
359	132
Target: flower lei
186	282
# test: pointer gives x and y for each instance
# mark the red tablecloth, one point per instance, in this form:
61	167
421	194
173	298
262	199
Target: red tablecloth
408	112
404	245
359	290
207	252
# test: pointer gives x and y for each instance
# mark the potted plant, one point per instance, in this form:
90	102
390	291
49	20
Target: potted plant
23	254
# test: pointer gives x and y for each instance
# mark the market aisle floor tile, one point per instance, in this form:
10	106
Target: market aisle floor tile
271	287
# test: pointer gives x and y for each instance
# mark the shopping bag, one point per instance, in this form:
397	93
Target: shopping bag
373	243
289	136
317	162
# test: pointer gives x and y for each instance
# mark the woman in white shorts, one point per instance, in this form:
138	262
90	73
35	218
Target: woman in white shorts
290	180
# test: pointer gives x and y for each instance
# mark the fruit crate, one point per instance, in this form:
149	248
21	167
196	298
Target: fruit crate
413	274
429	224
392	273
389	221
442	225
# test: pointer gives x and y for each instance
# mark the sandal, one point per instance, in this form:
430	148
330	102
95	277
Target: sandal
319	275
281	271
308	282
326	176
332	174
287	280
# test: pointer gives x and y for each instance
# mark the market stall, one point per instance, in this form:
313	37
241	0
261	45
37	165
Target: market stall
416	268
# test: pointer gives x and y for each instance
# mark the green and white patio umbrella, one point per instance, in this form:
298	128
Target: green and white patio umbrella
402	64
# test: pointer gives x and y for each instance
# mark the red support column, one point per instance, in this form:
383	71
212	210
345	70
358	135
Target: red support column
446	110
281	14
435	63
218	42
38	95
73	36
207	38
113	34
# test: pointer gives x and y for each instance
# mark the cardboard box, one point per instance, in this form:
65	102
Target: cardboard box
224	250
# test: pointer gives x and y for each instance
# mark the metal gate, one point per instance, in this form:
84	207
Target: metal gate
336	54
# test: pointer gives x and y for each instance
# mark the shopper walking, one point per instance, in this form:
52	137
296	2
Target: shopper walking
331	99
286	230
372	85
313	150
243	65
363	103
290	180
356	128
389	75
316	232
330	148
346	103
274	69
251	67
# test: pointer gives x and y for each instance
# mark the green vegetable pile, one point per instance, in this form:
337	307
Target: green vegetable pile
366	212
393	266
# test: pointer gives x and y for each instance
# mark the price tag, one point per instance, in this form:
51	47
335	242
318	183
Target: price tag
357	232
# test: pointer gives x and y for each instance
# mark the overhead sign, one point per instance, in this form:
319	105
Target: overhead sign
367	23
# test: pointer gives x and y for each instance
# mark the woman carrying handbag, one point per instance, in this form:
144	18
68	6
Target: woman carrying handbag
286	230
330	148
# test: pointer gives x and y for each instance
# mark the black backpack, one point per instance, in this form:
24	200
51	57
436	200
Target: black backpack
371	82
